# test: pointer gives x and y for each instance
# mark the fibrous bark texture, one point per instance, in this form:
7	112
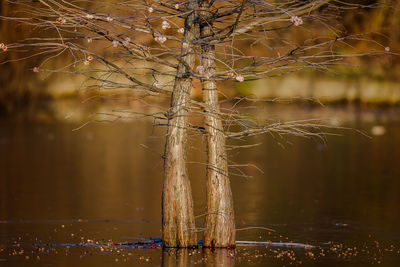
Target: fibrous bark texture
220	224
177	203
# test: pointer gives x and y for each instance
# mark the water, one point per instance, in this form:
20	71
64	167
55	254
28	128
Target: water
103	184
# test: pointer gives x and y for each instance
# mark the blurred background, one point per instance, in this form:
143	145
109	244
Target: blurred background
60	182
367	80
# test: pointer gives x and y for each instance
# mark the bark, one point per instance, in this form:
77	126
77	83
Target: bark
220	223
177	203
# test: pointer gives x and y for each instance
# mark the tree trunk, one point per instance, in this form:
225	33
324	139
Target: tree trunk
177	203
220	223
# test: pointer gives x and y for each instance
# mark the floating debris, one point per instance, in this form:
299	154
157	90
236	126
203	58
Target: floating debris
273	244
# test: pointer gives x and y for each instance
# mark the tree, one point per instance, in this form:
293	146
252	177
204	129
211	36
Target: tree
149	47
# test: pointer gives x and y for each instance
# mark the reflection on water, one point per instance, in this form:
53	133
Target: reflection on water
204	257
177	258
103	184
220	257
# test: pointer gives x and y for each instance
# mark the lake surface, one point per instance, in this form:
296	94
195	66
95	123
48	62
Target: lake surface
102	184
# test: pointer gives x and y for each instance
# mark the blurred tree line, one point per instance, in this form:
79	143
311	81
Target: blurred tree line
16	93
381	22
